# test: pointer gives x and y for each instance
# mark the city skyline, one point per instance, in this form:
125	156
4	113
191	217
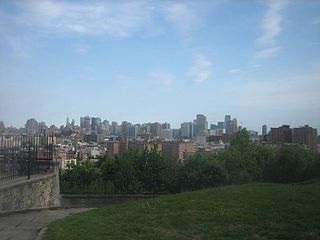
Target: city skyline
151	61
181	126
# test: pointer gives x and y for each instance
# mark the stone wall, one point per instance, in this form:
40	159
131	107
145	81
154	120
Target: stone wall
41	191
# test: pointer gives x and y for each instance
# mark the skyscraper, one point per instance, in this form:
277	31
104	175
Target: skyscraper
231	127
201	125
114	128
87	124
95	122
187	130
155	129
31	126
264	130
81	122
227	118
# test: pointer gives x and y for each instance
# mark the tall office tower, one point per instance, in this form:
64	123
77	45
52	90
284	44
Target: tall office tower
87	124
221	125
42	127
201	125
106	130
133	131
187	130
114	128
306	136
81	122
95	122
2	127
227	118
155	129
165	125
125	129
264	130
194	128
72	123
31	126
68	123
231	127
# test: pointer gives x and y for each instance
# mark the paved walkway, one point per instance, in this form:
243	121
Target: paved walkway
27	225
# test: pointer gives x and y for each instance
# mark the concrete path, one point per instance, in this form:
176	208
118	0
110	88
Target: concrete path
27	225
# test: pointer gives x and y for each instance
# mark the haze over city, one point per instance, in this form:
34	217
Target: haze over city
165	61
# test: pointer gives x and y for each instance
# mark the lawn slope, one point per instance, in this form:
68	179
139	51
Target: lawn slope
250	211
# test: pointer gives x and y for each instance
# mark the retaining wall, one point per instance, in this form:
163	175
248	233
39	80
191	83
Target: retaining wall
41	191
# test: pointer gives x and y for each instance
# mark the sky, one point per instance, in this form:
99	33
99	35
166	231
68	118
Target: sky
165	61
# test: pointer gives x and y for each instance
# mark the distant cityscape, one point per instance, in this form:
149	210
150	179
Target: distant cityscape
94	138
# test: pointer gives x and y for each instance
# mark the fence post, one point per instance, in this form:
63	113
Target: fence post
29	163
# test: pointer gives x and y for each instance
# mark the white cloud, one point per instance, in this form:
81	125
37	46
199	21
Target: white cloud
162	80
81	48
180	15
271	23
268	52
200	70
115	19
234	71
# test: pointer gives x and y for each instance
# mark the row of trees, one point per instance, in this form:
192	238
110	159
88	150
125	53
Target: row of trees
149	172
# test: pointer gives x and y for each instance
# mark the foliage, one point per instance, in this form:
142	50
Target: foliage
148	172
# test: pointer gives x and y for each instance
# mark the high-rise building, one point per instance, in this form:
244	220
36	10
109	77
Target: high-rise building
31	126
227	118
87	124
187	130
2	127
231	127
201	125
306	136
221	125
133	131
155	129
125	129
165	125
264	130
114	128
42	127
82	122
166	134
95	122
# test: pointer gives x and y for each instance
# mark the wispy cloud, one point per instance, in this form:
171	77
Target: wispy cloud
115	19
271	23
162	80
268	52
234	71
180	15
81	48
200	70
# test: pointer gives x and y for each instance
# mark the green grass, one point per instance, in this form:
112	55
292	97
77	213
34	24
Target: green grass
251	211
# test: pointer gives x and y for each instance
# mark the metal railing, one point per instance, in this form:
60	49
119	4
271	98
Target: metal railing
25	155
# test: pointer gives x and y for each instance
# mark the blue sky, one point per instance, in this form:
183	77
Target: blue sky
146	61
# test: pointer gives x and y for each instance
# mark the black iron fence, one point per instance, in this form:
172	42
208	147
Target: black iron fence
25	155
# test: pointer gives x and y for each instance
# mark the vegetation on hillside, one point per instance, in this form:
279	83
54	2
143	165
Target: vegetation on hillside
249	211
148	172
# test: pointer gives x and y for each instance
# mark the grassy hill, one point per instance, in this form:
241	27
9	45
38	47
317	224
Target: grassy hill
251	211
